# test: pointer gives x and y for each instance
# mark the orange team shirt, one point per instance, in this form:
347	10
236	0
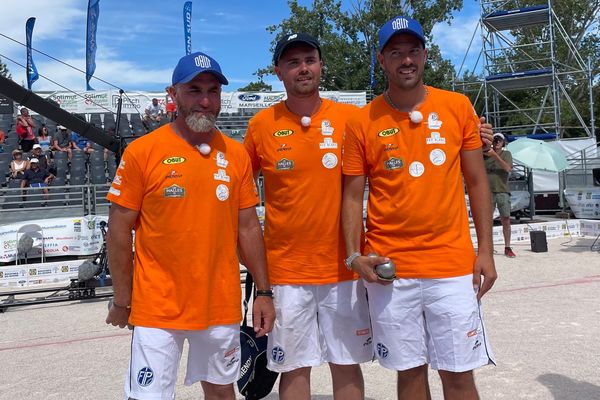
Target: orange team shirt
186	272
417	214
303	192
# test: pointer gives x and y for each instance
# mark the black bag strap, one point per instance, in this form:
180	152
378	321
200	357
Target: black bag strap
248	291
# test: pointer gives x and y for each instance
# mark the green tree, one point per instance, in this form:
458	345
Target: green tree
258	86
4	70
349	36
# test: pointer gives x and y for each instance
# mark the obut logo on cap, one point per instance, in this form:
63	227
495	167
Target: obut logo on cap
202	61
399	23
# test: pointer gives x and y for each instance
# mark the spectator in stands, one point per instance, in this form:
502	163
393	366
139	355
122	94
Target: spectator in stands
44	139
24	128
2	140
498	164
44	161
171	106
36	177
154	112
79	143
62	141
18	165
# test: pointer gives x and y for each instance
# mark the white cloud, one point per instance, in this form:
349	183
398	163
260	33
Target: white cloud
454	39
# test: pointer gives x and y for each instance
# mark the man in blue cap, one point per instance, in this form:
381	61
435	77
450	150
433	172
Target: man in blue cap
188	192
415	144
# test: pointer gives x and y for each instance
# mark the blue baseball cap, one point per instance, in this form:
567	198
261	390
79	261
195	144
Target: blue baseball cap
196	63
400	25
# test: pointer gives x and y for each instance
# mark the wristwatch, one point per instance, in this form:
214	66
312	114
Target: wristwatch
348	261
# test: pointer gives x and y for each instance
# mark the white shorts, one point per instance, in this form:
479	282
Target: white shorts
319	323
435	321
214	356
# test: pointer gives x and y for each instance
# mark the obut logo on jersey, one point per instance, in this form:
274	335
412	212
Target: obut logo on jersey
173	160
388	132
284	133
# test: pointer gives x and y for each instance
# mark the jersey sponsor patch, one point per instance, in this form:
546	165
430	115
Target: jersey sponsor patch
221	161
222	192
114	192
221	175
437	157
283	133
173	160
393	163
388	132
435	138
174	191
326	128
284	164
328	143
117	180
416	169
329	160
433	122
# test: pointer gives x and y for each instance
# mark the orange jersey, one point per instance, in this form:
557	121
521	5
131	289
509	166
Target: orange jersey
186	271
416	209
303	191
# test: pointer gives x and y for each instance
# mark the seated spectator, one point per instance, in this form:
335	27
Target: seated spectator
18	165
62	141
36	177
171	106
154	111
44	161
44	139
79	143
24	127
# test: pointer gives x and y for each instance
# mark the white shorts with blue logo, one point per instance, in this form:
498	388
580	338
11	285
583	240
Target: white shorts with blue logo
316	324
435	321
214	356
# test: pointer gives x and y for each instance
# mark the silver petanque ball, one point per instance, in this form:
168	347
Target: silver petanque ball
386	270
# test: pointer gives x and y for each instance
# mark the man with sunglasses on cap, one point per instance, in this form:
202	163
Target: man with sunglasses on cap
415	143
322	314
188	192
498	164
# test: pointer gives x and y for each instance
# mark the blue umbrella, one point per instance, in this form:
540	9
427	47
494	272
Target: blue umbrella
537	154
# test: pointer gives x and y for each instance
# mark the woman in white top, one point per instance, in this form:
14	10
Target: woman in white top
44	139
18	165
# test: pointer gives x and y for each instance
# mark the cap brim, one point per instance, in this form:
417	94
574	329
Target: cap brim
408	32
292	42
220	77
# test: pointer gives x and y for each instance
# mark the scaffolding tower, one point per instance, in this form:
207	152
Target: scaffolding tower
528	84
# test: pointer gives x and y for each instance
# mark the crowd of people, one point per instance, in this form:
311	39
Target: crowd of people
316	263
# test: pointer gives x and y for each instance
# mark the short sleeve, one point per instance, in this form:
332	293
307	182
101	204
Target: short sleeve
471	134
353	152
248	191
250	145
127	188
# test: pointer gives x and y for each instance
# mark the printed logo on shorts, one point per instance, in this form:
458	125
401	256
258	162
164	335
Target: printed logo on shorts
278	355
382	351
477	344
145	377
362	332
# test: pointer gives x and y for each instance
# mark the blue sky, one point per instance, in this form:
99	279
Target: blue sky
139	43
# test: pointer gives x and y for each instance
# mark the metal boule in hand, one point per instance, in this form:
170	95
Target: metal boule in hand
385	271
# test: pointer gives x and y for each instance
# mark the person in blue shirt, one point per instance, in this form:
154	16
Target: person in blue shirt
79	143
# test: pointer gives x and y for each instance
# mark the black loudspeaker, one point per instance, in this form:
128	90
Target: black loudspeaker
538	241
596	175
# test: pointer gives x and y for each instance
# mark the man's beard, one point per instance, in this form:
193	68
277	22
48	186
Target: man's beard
200	123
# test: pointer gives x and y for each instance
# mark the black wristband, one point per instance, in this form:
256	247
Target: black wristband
264	293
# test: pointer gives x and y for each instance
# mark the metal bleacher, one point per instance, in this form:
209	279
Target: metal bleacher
525	84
